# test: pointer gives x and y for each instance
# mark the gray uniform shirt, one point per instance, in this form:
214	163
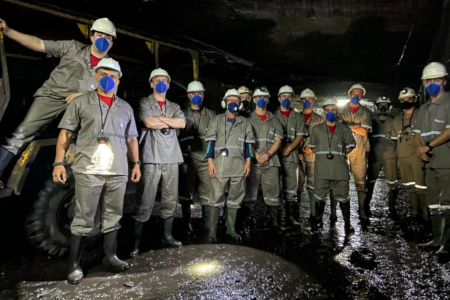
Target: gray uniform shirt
380	139
406	145
192	137
433	118
363	117
157	148
322	140
83	117
232	137
293	126
314	120
74	73
265	133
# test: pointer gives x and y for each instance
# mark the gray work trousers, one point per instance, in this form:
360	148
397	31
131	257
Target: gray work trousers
190	170
41	113
289	180
236	191
438	192
152	175
89	197
269	179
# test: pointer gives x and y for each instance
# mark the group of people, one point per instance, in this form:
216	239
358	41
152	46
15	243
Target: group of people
229	157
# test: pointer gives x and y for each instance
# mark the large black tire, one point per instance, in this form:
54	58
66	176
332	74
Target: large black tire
48	226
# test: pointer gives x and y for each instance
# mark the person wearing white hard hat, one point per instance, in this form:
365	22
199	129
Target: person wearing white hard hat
246	100
307	156
265	168
193	146
229	138
359	119
432	129
411	173
71	78
161	156
332	142
106	132
383	153
293	132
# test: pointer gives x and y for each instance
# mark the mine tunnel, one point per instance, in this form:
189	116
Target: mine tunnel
325	46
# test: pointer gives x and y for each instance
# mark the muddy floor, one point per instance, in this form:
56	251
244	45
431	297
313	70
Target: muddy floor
379	261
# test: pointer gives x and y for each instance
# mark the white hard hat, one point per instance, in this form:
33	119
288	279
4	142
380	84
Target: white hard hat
285	89
159	72
244	89
307	93
104	25
329	102
259	93
357	86
434	70
231	92
109	63
383	99
406	93
195	86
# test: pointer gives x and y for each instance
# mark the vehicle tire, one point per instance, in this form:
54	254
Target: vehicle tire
48	226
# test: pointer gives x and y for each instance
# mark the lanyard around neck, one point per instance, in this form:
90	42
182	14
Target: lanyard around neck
103	118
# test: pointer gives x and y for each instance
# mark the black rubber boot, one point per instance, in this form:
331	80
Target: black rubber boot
5	159
361	206
312	206
414	199
282	213
231	223
369	195
111	260
445	237
424	206
290	210
391	202
213	221
436	225
186	210
320	210
345	208
244	221
77	244
168	239
333	215
138	228
273	212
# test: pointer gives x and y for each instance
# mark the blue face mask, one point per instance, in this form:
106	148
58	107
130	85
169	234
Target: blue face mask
433	89
161	87
330	116
261	102
197	100
107	84
101	44
355	100
233	107
286	102
307	104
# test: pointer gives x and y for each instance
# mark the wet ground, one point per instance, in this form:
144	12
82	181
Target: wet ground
380	261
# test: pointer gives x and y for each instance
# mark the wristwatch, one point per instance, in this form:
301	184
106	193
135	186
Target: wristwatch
428	145
268	154
138	162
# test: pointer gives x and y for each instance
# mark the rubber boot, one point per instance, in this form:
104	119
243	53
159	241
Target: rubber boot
424	206
312	206
138	228
333	215
111	260
186	210
361	206
290	215
391	202
273	212
369	195
5	159
168	239
436	225
345	208
213	221
445	237
414	199
282	213
231	223
320	210
77	244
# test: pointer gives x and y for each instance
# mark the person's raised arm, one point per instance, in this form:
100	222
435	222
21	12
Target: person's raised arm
29	41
